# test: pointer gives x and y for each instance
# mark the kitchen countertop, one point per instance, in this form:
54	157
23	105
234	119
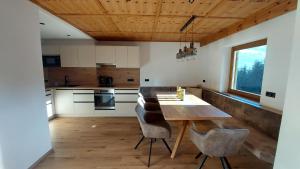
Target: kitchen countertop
92	87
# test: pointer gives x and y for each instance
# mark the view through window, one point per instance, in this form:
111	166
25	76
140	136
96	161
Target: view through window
247	68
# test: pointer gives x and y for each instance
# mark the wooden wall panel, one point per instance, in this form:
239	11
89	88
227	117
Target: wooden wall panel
121	75
210	25
91	23
88	76
276	9
72	6
134	23
184	8
170	24
161	20
141	7
240	8
77	76
171	37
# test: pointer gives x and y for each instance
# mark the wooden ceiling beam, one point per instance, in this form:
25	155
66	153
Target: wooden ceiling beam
99	3
158	10
207	15
272	11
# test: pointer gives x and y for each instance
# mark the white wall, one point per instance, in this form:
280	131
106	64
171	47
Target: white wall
160	66
288	154
24	132
215	58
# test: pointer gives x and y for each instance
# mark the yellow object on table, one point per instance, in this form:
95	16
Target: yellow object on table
180	93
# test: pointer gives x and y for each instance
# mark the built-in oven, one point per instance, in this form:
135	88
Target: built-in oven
104	99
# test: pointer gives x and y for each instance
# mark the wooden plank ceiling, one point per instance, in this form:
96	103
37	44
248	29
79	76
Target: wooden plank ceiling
161	20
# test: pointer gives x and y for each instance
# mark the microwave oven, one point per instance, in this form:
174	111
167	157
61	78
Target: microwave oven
51	61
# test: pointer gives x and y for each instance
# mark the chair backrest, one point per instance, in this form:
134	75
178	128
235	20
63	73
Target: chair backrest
224	142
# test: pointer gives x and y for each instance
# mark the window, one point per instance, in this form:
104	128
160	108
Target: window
247	68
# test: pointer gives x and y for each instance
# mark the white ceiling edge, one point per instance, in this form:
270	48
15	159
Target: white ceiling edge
56	28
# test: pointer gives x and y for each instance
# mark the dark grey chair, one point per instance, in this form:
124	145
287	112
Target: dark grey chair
219	143
155	128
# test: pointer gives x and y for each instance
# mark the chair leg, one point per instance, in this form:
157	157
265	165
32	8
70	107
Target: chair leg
139	142
227	163
203	161
198	155
223	162
150	149
166	144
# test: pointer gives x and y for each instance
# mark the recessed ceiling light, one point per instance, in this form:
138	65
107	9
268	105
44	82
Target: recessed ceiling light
42	23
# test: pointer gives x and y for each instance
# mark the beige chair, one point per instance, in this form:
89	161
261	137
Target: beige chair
153	126
219	143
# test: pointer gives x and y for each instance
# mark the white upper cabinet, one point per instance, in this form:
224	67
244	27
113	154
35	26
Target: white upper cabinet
50	50
121	56
69	56
105	54
86	56
133	57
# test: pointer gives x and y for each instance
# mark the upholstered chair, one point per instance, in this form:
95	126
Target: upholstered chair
219	143
153	126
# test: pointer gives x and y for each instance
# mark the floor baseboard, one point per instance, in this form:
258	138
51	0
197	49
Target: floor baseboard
41	159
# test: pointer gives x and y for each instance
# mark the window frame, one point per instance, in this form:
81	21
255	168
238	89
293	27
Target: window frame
251	96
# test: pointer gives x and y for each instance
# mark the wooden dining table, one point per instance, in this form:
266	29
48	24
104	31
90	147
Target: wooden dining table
191	108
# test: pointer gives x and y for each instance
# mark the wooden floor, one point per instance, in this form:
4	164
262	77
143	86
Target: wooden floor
107	143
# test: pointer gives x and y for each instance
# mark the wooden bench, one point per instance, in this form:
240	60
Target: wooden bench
263	125
258	143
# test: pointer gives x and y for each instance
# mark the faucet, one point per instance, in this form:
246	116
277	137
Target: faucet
66	80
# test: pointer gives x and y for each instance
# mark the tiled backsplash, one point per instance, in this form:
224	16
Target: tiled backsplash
88	76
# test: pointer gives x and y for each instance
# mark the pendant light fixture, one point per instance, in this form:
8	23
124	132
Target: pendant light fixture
191	50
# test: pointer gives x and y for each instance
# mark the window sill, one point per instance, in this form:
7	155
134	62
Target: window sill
250	102
242	99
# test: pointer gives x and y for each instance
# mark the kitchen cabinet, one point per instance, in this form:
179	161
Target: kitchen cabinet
69	56
50	50
64	102
125	109
133	57
84	109
105	54
126	100
50	103
83	102
121	56
86	56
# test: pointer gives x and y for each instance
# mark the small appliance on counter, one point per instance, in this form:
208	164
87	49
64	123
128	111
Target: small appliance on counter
105	81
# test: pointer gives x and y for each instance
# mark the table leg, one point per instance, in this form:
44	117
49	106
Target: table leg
179	138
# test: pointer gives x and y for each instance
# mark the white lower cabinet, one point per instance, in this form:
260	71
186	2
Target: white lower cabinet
80	103
50	104
64	102
84	109
125	109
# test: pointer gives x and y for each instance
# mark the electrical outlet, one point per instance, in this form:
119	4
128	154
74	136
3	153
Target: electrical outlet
203	81
147	80
270	94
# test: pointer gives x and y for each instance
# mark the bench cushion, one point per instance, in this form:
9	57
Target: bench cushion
258	143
